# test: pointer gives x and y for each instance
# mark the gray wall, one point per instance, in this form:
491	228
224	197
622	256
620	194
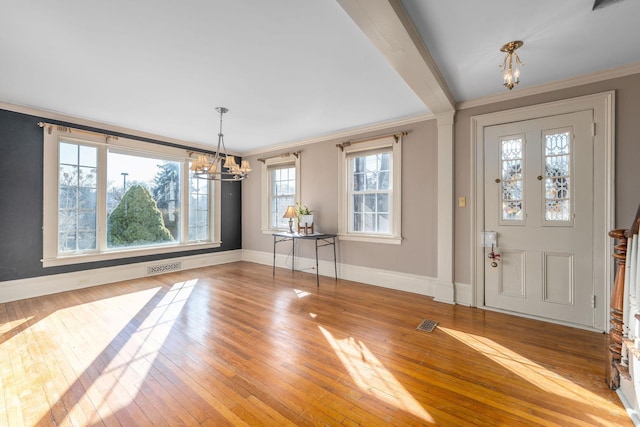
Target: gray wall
627	148
319	188
418	254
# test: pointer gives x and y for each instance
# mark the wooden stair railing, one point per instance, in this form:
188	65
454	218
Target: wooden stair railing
615	369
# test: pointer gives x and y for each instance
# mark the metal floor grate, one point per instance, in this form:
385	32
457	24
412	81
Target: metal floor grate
427	325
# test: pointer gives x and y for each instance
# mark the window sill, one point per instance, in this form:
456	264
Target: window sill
371	238
127	253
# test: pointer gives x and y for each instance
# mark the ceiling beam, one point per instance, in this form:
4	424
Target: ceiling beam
389	27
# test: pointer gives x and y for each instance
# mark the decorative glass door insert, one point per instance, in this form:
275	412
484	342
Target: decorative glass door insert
557	192
511	165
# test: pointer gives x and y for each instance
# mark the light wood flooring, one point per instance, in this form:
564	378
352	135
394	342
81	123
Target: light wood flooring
231	345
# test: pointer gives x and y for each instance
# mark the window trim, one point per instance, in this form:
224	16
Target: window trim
394	143
52	138
266	166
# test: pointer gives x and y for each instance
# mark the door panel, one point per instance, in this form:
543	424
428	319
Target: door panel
512	277
538	189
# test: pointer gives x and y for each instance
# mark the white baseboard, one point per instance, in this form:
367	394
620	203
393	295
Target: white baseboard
414	283
444	292
463	294
45	285
14	290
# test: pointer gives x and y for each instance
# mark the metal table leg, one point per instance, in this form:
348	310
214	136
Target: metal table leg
335	265
317	271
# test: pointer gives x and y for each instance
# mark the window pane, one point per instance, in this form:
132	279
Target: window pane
357	222
383	223
369	222
76	198
512	210
358	202
68	153
370	203
86	240
383	203
88	156
385	161
358	182
372	181
384	182
145	201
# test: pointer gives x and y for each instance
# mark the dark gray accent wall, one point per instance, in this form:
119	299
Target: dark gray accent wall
21	203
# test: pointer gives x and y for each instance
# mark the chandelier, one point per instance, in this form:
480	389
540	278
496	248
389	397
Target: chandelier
211	167
510	70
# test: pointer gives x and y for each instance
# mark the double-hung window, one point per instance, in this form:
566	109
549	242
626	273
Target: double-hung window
108	198
280	189
370	183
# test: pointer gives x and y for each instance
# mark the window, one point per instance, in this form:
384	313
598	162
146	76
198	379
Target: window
199	217
283	194
109	198
512	161
280	188
370	188
370	182
558	207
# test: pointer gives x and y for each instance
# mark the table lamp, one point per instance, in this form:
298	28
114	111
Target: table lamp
290	213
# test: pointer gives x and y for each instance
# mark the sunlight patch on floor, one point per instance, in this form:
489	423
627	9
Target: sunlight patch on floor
372	377
9	326
130	367
527	369
301	294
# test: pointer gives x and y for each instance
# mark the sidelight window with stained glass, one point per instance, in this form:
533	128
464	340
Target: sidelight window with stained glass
512	189
557	154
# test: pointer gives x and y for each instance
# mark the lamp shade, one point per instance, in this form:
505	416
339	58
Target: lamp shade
290	212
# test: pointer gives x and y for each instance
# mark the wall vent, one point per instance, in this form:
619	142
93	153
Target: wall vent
164	268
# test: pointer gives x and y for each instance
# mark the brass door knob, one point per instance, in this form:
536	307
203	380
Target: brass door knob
497	180
539	177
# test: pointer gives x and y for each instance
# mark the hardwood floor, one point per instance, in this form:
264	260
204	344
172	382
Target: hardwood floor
230	345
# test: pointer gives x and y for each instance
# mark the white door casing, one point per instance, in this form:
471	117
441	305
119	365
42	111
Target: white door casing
597	254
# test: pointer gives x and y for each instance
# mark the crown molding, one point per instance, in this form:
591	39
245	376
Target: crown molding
106	127
53	115
612	73
344	134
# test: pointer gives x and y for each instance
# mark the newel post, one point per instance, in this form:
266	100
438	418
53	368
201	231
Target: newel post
617	304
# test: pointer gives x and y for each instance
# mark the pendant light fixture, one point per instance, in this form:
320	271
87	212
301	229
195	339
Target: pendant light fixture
510	70
206	166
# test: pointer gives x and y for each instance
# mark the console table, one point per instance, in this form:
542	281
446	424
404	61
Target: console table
320	239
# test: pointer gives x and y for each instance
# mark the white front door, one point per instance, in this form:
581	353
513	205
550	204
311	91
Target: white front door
538	189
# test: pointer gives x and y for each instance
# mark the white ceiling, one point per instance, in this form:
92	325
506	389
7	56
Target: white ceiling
288	70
